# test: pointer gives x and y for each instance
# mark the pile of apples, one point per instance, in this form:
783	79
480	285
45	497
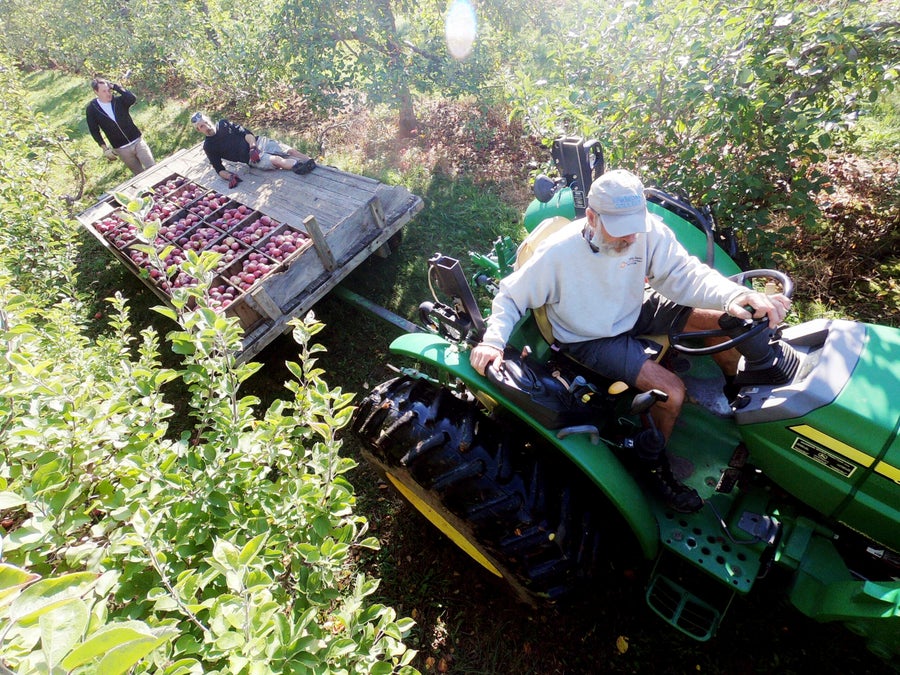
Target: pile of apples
249	270
251	245
162	211
188	194
176	257
110	223
230	248
175	230
116	231
284	244
140	261
201	238
221	295
209	204
259	228
168	187
232	217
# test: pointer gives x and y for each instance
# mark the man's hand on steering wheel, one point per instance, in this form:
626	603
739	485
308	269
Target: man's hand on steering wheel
773	306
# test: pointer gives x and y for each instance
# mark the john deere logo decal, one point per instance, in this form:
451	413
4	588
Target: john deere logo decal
837	455
817	453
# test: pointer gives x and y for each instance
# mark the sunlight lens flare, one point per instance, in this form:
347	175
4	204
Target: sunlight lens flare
461	29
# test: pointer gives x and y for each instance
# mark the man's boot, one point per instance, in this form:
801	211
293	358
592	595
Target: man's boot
651	452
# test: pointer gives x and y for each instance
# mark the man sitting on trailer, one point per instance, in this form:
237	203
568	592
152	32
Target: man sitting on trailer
592	278
231	141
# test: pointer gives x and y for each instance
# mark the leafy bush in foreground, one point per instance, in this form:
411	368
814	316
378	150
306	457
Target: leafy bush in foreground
228	549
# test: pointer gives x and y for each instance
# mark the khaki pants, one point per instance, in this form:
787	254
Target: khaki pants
137	156
268	147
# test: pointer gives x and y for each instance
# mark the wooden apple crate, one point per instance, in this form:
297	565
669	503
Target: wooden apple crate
347	218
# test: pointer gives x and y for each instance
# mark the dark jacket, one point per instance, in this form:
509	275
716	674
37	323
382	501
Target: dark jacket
229	142
120	131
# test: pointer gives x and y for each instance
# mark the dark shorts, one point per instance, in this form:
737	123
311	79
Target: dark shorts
622	356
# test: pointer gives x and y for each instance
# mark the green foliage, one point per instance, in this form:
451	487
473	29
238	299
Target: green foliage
29	222
727	105
879	130
226	549
323	55
65	616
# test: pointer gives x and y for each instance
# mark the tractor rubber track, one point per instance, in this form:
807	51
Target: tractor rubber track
514	498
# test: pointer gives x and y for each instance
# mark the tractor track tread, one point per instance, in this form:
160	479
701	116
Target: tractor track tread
529	515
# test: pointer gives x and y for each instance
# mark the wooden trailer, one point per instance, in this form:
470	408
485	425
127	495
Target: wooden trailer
286	239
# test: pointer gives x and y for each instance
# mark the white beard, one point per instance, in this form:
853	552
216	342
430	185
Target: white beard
616	250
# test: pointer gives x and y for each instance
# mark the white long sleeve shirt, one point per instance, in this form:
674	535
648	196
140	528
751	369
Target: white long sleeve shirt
591	295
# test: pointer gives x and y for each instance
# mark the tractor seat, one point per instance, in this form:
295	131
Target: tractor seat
526	249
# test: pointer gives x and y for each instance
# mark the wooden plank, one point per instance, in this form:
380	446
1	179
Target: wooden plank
293	283
286	199
265	303
283	287
377	212
322	183
321	245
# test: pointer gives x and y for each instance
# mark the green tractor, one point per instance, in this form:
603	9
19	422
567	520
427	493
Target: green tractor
525	469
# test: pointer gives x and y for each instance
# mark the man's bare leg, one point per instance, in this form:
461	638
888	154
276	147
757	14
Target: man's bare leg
708	319
664	413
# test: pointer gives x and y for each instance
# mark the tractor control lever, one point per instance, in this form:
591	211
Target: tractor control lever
646	400
643	402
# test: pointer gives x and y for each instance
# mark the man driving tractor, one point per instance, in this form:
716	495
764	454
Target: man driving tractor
607	280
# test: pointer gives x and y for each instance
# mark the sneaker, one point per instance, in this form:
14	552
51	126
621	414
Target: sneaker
303	167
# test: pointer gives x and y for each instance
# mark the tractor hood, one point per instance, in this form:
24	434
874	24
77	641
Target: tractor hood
830	436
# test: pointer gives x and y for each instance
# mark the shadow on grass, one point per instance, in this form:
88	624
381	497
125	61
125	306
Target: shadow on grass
458	217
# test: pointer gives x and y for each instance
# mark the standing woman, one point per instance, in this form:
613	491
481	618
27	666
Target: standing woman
110	114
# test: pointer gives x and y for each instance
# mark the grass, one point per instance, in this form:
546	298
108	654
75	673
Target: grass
466	622
879	131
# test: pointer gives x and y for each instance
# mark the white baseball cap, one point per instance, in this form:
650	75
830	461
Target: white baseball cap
618	198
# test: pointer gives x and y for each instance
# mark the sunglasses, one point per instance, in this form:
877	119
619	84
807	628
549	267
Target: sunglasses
196	117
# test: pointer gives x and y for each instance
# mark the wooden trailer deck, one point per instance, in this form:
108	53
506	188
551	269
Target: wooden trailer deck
344	219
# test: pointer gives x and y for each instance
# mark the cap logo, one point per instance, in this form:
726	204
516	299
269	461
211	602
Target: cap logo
628	201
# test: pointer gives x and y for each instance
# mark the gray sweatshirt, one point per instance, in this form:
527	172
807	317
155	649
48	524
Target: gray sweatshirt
591	295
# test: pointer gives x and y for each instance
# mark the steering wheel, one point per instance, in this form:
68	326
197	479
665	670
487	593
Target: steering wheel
736	330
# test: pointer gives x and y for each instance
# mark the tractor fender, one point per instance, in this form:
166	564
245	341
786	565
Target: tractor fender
593	456
562	204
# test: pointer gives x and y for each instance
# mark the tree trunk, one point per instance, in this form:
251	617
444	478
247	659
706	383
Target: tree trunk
408	122
396	65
